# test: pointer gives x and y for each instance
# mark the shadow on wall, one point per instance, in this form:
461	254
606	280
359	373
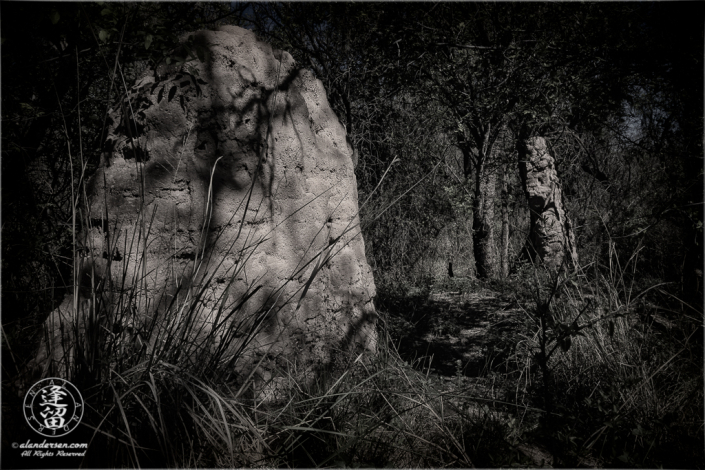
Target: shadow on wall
225	212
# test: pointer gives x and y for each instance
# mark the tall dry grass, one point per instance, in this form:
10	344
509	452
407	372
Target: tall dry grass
616	368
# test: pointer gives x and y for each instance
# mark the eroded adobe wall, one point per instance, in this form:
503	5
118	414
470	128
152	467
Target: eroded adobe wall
234	175
551	235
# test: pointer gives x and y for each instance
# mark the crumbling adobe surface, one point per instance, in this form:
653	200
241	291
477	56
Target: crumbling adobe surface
234	175
551	236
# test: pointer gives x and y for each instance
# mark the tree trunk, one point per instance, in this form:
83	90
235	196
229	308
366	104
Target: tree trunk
505	221
483	225
551	236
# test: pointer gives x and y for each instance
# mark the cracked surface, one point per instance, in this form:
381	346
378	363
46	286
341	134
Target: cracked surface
236	169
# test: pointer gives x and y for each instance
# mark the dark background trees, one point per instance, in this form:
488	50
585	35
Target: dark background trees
64	65
590	78
434	96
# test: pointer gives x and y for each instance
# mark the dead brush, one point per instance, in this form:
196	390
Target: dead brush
607	375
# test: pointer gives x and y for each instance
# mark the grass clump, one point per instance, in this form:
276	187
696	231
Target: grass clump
617	371
576	370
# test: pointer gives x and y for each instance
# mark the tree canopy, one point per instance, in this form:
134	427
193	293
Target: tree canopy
441	102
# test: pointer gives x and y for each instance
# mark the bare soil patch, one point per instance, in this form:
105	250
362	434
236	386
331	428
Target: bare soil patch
453	333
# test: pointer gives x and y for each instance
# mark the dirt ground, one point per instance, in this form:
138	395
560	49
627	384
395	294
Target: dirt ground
457	333
463	340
